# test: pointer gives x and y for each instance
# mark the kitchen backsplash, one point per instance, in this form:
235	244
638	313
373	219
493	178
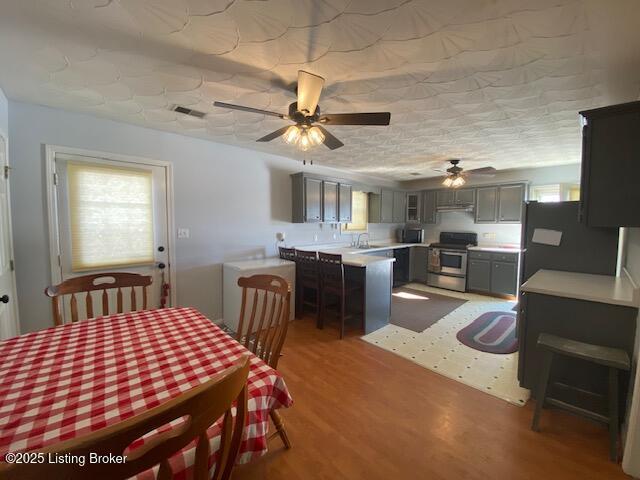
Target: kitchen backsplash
488	234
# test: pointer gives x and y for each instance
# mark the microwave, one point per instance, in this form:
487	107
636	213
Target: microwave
410	235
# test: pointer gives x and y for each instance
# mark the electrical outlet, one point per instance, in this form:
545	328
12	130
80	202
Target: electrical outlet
184	233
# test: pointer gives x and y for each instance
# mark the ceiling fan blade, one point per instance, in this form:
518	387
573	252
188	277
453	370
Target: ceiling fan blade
329	140
374	118
248	109
483	170
272	135
309	90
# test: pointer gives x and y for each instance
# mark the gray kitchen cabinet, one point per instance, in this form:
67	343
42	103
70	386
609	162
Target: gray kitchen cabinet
429	215
445	198
487	205
419	259
413	207
345	192
479	275
465	196
330	201
386	206
399	207
504	278
316	199
493	272
510	199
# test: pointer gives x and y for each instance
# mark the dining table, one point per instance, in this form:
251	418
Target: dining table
68	381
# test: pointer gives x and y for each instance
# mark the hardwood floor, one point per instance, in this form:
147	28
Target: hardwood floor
363	413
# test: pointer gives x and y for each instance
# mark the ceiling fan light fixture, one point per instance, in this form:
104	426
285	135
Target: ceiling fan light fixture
447	182
304	142
292	135
458	181
316	137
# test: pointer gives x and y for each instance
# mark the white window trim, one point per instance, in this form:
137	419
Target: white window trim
52	206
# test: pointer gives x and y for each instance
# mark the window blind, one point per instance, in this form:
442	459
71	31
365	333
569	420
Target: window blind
111	214
359	212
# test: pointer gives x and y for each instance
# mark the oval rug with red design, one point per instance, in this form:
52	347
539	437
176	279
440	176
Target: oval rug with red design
492	332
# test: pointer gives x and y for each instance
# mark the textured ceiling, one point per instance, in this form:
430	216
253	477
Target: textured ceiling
493	82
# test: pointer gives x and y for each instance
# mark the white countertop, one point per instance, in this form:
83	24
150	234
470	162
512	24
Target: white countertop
497	248
259	263
583	286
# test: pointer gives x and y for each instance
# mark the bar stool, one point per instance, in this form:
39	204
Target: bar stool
332	283
290	254
308	278
613	358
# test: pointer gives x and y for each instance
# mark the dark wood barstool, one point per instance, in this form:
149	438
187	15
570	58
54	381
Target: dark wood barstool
290	254
614	359
332	283
308	278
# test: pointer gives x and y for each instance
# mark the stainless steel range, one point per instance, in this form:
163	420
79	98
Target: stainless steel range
447	266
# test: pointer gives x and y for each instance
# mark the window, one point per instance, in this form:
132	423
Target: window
111	214
555	193
359	212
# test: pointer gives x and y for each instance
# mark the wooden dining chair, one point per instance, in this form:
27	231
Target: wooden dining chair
263	323
332	284
308	280
91	283
200	407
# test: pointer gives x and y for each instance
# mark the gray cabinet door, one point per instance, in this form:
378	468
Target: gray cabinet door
345	193
504	278
413	207
487	205
510	203
312	200
429	207
445	198
386	206
399	207
479	275
419	258
330	201
465	196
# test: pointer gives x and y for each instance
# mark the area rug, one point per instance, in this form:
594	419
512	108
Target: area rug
417	310
492	332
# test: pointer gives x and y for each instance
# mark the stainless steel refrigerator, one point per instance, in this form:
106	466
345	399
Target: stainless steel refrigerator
581	249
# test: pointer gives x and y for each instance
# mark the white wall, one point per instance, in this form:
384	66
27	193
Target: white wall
232	199
631	461
493	233
4	113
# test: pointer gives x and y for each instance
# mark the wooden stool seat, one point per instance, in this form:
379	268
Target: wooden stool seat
308	278
614	359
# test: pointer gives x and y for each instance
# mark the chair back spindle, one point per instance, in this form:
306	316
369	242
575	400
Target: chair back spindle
264	315
104	282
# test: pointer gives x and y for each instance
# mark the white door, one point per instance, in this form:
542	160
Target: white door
8	298
112	216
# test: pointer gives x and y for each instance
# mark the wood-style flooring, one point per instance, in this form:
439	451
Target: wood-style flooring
363	413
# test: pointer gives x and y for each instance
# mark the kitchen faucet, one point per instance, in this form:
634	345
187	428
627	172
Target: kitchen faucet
360	235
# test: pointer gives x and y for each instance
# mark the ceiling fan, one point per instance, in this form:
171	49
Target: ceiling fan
308	130
455	175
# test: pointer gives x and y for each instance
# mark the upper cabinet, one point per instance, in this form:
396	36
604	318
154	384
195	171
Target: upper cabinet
429	215
510	200
399	207
317	199
344	202
451	197
487	205
388	206
413	207
445	198
609	193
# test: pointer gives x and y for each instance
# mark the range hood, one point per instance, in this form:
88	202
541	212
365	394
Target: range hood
460	207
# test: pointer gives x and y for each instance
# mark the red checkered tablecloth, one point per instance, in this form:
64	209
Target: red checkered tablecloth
65	382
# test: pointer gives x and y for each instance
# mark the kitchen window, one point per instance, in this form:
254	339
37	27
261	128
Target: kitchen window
359	213
557	192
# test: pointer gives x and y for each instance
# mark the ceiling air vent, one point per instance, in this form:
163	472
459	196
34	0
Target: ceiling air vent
188	111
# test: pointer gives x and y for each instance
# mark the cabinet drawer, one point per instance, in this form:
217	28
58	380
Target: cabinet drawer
505	257
479	255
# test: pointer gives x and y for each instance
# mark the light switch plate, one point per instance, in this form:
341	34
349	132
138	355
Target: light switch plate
184	233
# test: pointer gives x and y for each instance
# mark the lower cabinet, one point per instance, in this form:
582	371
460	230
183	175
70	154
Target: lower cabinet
419	263
493	272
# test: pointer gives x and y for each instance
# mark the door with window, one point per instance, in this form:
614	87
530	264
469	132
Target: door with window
8	301
112	216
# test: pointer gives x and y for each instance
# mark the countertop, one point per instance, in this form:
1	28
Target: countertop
497	248
584	286
258	264
356	256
